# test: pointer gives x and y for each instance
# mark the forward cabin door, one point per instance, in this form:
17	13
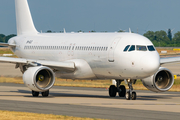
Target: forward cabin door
111	50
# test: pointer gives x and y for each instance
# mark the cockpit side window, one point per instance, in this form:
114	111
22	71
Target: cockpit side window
151	48
141	48
132	48
126	48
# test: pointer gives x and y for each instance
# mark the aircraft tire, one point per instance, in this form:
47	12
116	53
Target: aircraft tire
122	93
133	97
128	95
112	91
45	94
35	94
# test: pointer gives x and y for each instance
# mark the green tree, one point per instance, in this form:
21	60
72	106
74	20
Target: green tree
121	31
2	35
2	38
80	31
158	38
176	39
169	34
161	35
49	31
8	37
150	35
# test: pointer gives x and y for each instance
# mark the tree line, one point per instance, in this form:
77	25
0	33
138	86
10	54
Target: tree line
4	38
158	38
163	39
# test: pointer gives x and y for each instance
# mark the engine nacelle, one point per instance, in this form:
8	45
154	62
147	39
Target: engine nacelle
39	78
161	81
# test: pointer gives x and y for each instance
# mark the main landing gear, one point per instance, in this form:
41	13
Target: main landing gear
44	94
121	90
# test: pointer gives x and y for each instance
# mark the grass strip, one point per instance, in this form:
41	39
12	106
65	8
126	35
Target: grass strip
12	115
5	51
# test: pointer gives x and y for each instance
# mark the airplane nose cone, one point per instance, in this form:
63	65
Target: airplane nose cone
150	63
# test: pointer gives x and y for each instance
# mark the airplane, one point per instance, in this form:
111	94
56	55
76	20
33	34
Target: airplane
120	56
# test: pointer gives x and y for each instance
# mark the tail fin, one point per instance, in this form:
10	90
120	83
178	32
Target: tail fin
24	20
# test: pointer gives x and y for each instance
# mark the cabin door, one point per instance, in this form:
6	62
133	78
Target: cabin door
111	50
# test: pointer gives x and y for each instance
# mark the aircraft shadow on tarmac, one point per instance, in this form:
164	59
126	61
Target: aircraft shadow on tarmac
53	94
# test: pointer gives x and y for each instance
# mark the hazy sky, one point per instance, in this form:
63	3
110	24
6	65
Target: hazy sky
98	15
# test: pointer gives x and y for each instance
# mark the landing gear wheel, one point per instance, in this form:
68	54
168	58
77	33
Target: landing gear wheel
122	92
35	94
133	97
112	91
128	95
45	94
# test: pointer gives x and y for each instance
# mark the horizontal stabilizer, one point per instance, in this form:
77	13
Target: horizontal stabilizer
7	44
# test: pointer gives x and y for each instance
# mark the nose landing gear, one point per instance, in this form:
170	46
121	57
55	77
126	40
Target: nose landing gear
130	94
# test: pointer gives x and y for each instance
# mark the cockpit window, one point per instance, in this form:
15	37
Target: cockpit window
141	48
126	48
151	48
132	48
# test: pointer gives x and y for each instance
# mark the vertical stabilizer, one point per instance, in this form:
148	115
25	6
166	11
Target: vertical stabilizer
24	20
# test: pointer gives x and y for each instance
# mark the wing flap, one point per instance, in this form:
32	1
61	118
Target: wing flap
67	66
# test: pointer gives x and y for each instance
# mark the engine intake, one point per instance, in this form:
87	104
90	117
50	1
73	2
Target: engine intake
161	81
39	78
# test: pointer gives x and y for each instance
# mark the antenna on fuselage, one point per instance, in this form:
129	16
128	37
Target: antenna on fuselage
64	30
129	30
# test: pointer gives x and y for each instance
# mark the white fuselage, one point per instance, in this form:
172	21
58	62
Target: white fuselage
103	52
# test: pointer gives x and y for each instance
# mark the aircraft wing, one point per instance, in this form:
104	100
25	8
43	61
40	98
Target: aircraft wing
169	60
68	66
7	44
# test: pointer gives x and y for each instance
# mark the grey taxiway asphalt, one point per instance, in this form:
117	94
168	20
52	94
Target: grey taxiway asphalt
89	102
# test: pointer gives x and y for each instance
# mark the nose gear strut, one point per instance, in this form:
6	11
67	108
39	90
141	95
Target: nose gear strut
131	94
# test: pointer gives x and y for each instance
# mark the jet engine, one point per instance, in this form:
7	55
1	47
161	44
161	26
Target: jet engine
39	79
161	81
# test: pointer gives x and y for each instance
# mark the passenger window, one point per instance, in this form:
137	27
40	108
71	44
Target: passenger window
141	48
132	48
126	48
151	48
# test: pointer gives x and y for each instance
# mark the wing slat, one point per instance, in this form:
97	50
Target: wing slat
169	60
67	66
